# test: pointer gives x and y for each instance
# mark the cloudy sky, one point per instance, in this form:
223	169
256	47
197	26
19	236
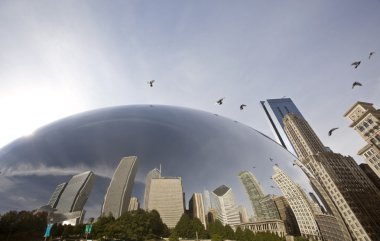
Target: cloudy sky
58	58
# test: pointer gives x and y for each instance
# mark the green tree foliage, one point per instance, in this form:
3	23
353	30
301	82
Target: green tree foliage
174	236
299	238
188	228
23	225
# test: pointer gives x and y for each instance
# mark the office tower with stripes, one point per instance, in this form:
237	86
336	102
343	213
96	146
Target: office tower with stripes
225	206
196	208
155	173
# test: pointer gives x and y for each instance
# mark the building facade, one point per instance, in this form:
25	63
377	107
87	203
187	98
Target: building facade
370	174
166	197
133	204
329	227
274	226
243	214
287	215
196	208
226	208
275	110
56	195
354	195
299	203
75	195
365	119
155	173
116	200
263	205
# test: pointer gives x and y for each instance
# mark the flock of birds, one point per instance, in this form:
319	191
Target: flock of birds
242	106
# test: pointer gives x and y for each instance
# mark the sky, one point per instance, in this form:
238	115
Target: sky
59	58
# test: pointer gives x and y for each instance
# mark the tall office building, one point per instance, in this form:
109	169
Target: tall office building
329	227
263	205
316	201
166	196
370	174
276	109
196	208
75	195
366	121
116	200
207	200
133	204
287	215
299	203
243	214
227	210
354	195
155	173
56	195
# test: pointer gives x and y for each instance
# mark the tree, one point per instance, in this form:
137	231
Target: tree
174	236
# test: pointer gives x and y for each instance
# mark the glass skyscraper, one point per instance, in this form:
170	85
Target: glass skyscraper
263	205
276	109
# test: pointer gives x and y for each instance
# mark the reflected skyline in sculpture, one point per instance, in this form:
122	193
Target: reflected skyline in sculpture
205	150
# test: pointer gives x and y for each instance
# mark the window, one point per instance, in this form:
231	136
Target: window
365	124
369	120
361	128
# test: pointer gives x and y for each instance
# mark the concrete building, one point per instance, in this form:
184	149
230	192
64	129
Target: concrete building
133	204
365	119
274	226
56	195
262	205
116	200
329	227
225	206
155	173
275	110
196	208
287	215
299	203
166	196
206	200
243	214
370	174
354	195
75	195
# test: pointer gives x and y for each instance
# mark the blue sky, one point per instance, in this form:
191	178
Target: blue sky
58	58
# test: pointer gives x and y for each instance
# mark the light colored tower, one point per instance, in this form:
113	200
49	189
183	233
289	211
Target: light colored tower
299	203
133	204
166	196
155	173
56	195
365	119
355	196
207	200
227	211
119	191
196	208
243	214
75	195
263	205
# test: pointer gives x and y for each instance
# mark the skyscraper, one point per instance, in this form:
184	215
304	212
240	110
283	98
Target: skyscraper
263	205
355	196
227	211
155	173
366	121
243	214
276	109
207	200
298	202
75	195
116	200
56	195
133	204
196	208
370	174
166	196
287	215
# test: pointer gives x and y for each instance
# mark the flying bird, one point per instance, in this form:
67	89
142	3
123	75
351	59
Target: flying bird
294	164
271	178
333	129
356	64
220	101
270	159
272	186
242	106
356	84
370	55
151	82
253	167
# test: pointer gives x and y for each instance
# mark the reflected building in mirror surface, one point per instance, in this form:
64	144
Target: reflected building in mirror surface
225	206
155	173
116	200
56	195
196	208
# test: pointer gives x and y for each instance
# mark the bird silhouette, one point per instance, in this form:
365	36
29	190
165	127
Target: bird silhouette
253	167
294	164
271	178
370	55
356	84
272	186
333	129
242	106
151	82
220	101
356	64
270	159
